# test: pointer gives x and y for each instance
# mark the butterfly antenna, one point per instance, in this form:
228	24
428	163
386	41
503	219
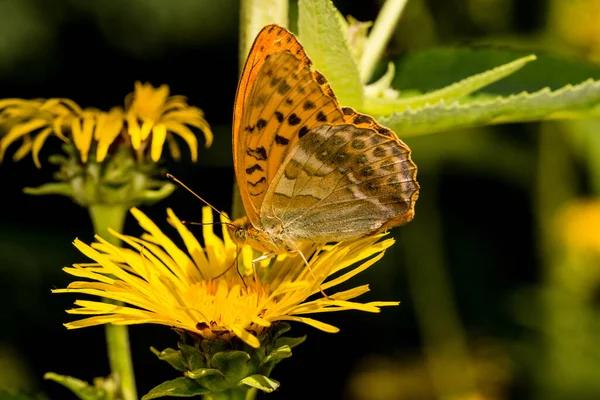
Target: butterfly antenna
234	263
171	177
207	223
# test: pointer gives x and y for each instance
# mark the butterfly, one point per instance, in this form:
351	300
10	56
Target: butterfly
308	169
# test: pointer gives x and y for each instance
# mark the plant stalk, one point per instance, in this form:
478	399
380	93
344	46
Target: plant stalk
254	15
232	394
382	30
106	216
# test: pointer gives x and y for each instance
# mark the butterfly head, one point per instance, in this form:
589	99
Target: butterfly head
244	233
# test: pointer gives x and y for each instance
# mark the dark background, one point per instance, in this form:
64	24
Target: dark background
477	193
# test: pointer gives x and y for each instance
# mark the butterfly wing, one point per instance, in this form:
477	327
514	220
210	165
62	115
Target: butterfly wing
344	181
279	99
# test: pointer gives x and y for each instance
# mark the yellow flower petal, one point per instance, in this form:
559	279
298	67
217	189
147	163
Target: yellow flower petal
133	128
187	135
71	104
159	135
13	102
107	132
173	148
246	336
161	116
24	149
37	145
312	322
199	291
192	245
19	131
181	260
355	271
82	136
146	129
57	127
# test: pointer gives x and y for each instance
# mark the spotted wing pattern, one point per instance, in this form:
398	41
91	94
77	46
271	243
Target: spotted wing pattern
341	182
279	100
307	168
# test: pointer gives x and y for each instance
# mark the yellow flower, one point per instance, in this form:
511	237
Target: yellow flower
576	21
33	121
160	114
198	291
578	224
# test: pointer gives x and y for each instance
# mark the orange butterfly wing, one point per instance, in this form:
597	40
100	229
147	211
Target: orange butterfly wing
348	177
278	100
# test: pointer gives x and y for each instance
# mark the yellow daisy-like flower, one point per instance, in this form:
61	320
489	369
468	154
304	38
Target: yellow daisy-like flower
160	114
198	291
33	121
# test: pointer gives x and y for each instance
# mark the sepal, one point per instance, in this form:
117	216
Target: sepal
222	367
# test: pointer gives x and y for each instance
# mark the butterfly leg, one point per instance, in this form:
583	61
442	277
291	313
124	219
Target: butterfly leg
234	263
263	257
301	254
259	259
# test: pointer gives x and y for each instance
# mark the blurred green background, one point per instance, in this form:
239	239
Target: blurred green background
498	299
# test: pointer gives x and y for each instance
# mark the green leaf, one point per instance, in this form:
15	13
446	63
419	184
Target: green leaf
202	373
290	341
435	68
57	159
382	86
355	33
196	361
325	43
580	101
153	196
173	357
60	188
382	106
213	346
233	364
260	382
279	329
82	389
276	355
178	387
186	349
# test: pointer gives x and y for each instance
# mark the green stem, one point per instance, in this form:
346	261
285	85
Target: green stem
380	35
554	186
117	337
251	395
254	15
563	312
589	128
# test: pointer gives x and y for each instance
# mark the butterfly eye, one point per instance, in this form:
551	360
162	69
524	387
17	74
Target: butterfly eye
240	234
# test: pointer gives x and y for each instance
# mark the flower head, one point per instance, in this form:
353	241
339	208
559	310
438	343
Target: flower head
152	111
200	291
149	120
